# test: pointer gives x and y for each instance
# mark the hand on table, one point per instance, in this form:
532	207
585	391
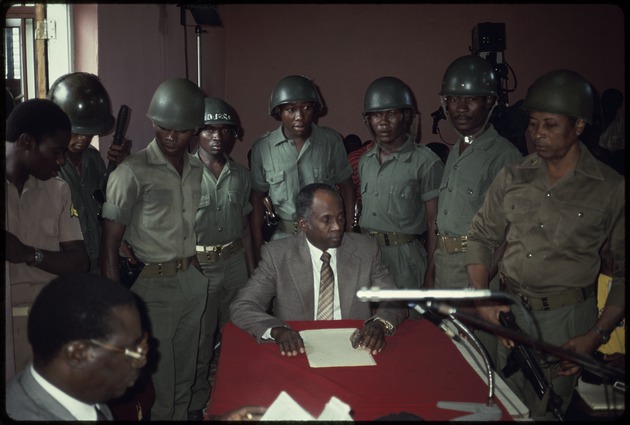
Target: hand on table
371	337
289	341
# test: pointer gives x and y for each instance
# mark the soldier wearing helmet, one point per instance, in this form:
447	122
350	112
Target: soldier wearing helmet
152	198
399	183
468	96
84	99
224	247
554	210
299	152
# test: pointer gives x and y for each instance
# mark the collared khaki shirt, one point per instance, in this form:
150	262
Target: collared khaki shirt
157	205
277	168
467	177
224	203
42	217
554	233
393	193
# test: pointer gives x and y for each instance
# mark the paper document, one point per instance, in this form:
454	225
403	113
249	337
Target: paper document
284	408
332	348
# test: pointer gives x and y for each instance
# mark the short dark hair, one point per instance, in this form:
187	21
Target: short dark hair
72	307
304	200
37	117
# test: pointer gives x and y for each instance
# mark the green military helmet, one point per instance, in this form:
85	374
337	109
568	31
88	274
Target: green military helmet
294	88
469	76
219	112
561	92
177	104
387	93
84	99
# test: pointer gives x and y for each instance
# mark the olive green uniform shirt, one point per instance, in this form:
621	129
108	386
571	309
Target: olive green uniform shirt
393	193
467	177
82	188
157	205
554	234
277	168
224	202
464	185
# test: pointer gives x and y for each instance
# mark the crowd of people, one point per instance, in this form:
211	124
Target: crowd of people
139	280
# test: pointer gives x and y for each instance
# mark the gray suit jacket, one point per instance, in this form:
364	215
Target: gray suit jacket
28	401
284	276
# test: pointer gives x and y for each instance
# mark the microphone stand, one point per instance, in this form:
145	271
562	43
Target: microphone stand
609	374
490	411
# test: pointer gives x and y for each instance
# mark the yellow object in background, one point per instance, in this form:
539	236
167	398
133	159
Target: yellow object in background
617	343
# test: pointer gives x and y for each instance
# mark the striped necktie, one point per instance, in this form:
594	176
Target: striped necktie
326	290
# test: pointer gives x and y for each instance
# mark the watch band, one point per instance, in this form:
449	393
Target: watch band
604	336
389	328
38	257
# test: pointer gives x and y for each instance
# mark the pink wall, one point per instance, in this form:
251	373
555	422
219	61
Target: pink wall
344	48
85	20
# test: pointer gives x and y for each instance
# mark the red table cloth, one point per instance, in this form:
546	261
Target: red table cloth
419	367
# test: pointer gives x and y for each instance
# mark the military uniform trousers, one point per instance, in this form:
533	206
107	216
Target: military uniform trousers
555	326
407	263
225	278
450	273
174	306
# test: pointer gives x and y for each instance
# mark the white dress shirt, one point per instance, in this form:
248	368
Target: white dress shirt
316	254
78	409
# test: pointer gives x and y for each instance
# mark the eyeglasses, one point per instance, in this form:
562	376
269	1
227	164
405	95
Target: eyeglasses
138	353
456	99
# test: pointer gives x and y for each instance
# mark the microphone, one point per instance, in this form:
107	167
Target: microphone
436	320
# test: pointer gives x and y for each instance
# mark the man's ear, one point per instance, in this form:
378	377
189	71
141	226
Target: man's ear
303	224
76	353
489	101
580	125
27	142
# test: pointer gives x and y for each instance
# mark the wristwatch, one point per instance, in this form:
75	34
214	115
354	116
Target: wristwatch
604	336
38	257
389	328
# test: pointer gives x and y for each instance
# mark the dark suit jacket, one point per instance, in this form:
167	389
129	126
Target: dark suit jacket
28	401
285	276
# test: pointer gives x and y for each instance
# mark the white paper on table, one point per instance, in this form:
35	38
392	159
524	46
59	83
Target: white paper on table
332	348
335	410
285	408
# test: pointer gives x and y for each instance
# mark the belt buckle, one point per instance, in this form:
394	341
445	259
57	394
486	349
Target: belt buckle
180	265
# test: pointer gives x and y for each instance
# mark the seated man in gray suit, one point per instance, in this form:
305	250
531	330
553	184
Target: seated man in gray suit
88	348
294	274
